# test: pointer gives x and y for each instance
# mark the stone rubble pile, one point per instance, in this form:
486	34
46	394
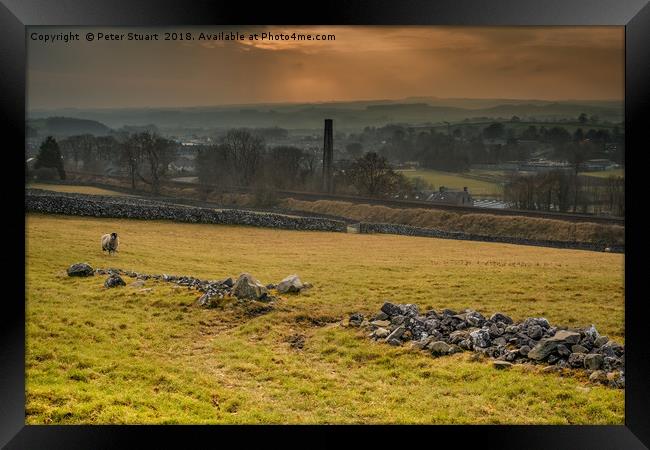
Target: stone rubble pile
246	287
533	340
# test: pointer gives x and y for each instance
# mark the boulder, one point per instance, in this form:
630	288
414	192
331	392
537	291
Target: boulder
546	346
391	309
499	317
248	287
600	341
381	333
501	365
380	323
396	334
480	338
80	270
356	319
439	348
114	280
598	376
593	361
577	360
292	283
578	349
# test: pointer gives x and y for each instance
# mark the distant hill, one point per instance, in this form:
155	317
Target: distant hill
347	115
67	126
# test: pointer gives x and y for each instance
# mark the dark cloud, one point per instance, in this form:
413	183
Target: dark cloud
363	63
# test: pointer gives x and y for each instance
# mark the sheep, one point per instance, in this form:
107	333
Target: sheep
110	242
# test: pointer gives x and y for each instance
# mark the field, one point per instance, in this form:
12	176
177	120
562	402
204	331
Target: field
126	356
456	181
73	188
605	173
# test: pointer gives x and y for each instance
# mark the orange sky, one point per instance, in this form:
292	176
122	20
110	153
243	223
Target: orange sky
551	63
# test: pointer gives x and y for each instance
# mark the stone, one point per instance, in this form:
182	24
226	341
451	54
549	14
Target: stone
390	309
577	360
578	349
546	346
395	342
381	333
501	365
397	320
541	321
114	281
454	349
562	350
600	341
137	284
409	310
535	332
598	376
593	361
474	319
592	333
396	334
380	323
480	338
457	336
500	317
228	282
290	284
611	349
439	348
500	341
356	319
495	331
381	316
81	270
524	350
248	287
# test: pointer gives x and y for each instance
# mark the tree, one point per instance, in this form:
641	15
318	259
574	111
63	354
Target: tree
582	118
49	155
285	165
245	152
372	175
151	150
494	131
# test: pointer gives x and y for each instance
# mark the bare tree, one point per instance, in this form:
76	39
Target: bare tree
245	151
372	175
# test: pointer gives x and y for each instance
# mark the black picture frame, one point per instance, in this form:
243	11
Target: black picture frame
15	15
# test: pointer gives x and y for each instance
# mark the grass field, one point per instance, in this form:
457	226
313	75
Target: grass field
125	356
605	173
455	181
74	189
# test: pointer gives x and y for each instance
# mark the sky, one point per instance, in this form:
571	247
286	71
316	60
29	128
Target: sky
362	63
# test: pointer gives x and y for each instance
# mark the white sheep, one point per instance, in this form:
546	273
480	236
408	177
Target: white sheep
110	242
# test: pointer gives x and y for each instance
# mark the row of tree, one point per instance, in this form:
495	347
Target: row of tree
143	156
565	191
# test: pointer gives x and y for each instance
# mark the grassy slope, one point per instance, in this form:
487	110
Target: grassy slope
455	181
484	224
123	356
606	173
74	188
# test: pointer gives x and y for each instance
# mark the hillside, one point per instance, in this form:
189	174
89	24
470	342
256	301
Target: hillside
67	126
149	354
347	115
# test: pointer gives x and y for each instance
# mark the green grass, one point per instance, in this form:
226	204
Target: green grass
455	181
125	356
